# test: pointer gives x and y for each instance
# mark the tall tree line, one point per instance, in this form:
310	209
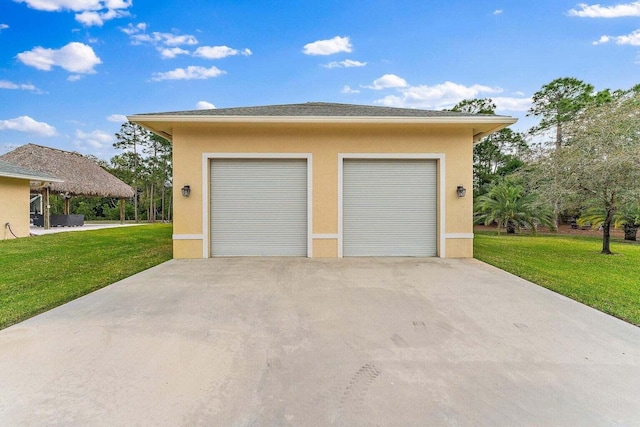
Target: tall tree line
146	165
581	161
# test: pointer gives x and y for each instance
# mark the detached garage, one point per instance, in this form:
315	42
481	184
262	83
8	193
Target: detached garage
322	180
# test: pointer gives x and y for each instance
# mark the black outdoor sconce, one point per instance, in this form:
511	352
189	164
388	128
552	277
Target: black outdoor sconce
186	190
461	191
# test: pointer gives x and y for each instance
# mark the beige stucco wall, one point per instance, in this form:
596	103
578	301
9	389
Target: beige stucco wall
324	142
14	207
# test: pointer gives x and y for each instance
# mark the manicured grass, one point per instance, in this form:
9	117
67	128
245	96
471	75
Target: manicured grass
39	273
571	266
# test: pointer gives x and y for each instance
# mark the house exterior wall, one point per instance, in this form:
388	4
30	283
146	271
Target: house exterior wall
324	144
14	207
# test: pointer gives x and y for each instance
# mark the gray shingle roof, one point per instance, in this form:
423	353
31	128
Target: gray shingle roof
10	170
317	109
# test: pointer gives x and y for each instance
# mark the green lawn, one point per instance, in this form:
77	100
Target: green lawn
39	273
571	266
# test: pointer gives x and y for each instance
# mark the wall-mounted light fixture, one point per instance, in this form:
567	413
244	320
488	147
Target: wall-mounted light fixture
461	191
186	190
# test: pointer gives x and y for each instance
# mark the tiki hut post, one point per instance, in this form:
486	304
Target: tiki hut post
46	211
121	210
67	203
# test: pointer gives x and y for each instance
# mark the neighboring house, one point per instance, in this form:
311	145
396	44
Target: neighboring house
15	185
322	180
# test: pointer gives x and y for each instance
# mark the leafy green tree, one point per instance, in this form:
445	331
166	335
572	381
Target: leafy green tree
132	137
497	155
557	103
628	217
158	164
508	205
475	106
145	164
599	167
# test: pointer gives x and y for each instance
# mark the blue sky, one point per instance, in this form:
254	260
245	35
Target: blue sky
71	69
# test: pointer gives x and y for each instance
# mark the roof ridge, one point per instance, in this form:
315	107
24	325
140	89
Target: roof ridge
54	149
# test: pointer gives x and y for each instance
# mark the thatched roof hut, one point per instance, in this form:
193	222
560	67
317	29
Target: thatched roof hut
81	175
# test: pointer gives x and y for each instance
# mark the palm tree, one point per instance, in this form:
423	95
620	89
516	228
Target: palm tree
628	217
508	205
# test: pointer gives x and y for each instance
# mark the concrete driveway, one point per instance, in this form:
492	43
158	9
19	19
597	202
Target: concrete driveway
307	342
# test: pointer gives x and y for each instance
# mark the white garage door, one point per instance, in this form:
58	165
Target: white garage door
389	207
258	207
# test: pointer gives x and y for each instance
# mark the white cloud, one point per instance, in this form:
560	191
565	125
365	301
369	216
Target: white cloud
166	39
28	125
632	39
218	52
505	103
117	118
5	84
498	12
598	11
74	77
348	89
328	47
3	27
74	57
58	5
90	12
388	81
96	139
602	40
347	63
189	73
90	18
174	39
134	29
444	95
171	52
204	105
167	44
118	4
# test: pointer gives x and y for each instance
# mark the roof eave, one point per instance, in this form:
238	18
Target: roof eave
29	177
477	137
322	119
499	122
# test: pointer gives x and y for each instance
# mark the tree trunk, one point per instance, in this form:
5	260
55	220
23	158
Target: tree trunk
606	232
152	204
511	227
46	212
135	204
556	203
162	202
630	232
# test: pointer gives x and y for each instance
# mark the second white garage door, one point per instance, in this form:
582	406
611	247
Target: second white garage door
258	207
389	207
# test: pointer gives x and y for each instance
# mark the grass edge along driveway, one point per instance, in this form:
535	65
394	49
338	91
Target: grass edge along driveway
571	266
43	272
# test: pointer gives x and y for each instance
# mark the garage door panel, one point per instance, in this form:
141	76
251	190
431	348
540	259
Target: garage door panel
258	207
389	207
